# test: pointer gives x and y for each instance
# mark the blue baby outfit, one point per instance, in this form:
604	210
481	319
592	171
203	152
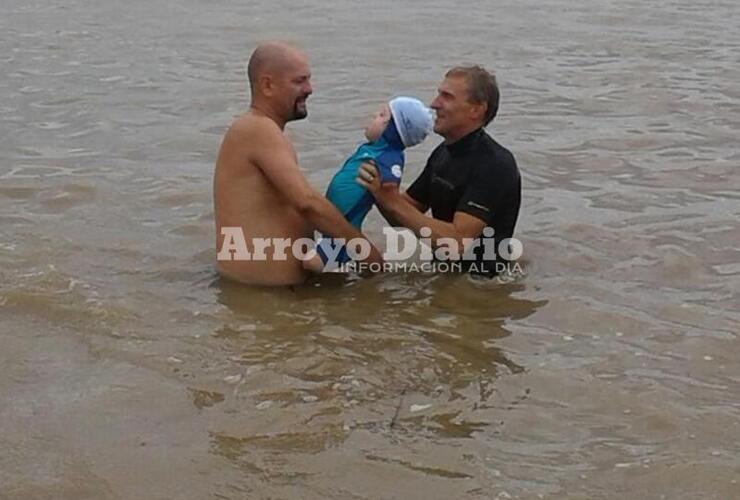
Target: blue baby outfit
353	200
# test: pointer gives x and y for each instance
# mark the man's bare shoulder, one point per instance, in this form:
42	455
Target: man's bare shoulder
256	129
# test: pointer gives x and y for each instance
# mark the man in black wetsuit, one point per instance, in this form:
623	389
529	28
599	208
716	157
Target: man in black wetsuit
470	182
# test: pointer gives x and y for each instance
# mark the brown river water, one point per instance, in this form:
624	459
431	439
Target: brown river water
609	370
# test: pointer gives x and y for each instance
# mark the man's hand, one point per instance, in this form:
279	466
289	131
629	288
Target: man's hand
375	256
369	178
385	194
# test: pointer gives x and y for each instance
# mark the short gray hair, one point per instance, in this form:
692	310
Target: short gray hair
482	88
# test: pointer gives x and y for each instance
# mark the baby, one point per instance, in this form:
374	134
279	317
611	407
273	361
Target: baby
401	123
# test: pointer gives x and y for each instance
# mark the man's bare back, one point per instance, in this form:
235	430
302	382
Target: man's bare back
258	188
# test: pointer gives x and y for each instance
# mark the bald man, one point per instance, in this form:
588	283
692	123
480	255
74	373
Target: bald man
260	194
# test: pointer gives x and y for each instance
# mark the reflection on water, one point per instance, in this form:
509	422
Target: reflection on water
407	325
392	358
129	370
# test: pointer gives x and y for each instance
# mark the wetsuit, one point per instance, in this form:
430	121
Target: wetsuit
477	176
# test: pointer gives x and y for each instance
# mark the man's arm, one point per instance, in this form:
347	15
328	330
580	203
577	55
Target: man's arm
276	159
420	186
411	201
407	214
421	207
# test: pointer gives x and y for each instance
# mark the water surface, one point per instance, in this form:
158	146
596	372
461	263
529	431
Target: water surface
609	371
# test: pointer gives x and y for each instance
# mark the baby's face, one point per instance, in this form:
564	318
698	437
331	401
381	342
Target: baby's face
377	124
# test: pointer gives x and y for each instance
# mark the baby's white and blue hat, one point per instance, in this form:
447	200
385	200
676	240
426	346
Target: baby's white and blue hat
412	118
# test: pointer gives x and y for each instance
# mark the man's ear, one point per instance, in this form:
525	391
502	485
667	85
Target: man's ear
478	111
267	85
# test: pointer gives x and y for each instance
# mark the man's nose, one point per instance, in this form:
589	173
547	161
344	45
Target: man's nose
309	89
435	103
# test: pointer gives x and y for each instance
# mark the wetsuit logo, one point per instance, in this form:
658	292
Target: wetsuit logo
478	206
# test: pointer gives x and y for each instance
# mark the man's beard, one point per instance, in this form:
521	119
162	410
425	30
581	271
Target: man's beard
300	111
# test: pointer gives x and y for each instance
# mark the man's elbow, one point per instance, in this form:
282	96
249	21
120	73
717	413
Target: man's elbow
450	236
310	204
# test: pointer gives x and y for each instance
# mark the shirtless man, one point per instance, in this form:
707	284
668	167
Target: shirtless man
258	188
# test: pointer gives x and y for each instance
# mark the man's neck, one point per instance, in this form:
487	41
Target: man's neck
459	134
262	110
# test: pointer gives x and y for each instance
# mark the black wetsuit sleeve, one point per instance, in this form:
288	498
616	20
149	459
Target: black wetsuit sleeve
419	189
485	193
